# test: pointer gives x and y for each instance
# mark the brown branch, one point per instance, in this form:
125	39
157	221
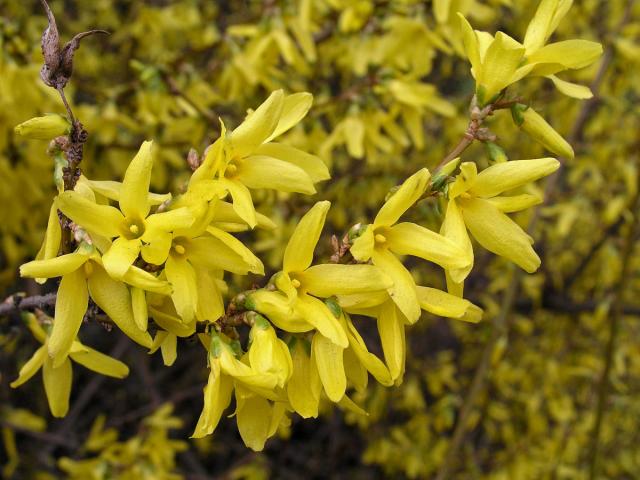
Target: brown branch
17	303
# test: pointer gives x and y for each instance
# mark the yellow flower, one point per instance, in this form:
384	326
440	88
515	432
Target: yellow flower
44	128
57	378
497	62
134	229
267	353
385	237
303	389
476	204
258	419
247	158
303	285
83	275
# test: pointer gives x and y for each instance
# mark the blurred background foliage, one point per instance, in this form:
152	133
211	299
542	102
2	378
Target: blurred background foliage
391	94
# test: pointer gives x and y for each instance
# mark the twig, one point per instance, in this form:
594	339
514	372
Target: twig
16	303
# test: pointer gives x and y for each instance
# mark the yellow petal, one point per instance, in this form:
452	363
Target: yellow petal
217	396
408	194
267	355
30	368
120	256
135	185
567	54
71	305
144	280
112	190
412	239
515	203
178	219
303	392
243	373
53	236
314	167
258	126
499	66
539	28
391	329
571	89
372	363
330	364
277	308
362	247
454	229
182	277
100	363
540	130
57	386
444	304
225	214
259	171
403	291
357	375
169	349
210	304
505	176
318	314
299	251
242	201
53	267
327	280
253	263
156	251
139	306
499	234
114	299
214	254
294	109
101	219
253	416
471	48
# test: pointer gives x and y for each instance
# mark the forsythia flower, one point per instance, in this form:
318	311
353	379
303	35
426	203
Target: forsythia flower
247	158
297	306
57	378
82	275
385	237
475	203
497	62
134	229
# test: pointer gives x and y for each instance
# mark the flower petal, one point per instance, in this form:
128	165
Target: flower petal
259	171
412	239
298	254
327	280
53	267
505	176
403	291
146	281
139	307
101	219
294	109
311	164
182	277
454	229
120	256
57	386
134	193
444	304
574	90
31	367
100	363
242	201
515	203
258	126
499	234
372	363
330	363
217	396
303	389
391	329
408	194
318	314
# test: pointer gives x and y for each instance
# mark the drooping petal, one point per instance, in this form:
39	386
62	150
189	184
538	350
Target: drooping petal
499	234
146	281
258	126
454	229
210	303
253	416
114	299
567	54
391	329
53	236
326	280
246	375
120	256
71	305
100	363
139	307
53	267
134	192
214	254
403	291
408	194
217	396
225	214
169	349
253	262
330	363
471	48
505	176
259	171
242	201
302	391
372	363
298	254
294	109
31	367
412	239
444	304
311	164
101	219
318	314
57	386
182	277
574	90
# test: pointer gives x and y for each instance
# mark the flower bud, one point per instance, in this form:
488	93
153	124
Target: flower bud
268	354
44	128
538	129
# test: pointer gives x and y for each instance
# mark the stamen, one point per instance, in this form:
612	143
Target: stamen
134	229
296	283
380	238
179	249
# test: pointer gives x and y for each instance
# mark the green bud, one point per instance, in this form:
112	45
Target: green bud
517	111
333	306
495	152
538	129
44	128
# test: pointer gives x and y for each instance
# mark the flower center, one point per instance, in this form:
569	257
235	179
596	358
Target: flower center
296	283
379	238
179	249
133	228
